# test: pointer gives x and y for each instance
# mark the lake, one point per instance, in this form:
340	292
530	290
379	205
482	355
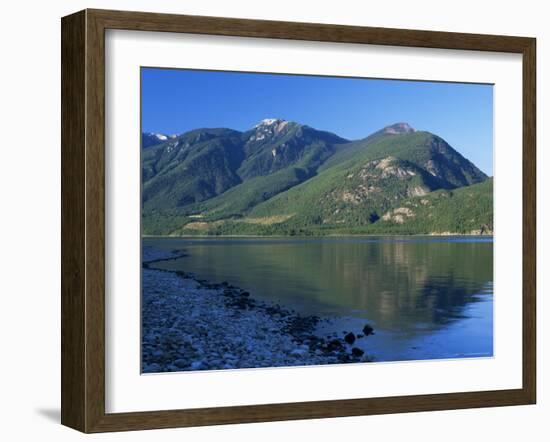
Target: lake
426	297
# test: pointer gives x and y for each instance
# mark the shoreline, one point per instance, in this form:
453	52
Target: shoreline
357	235
192	324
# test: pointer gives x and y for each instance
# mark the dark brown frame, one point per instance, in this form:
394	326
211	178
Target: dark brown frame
83	216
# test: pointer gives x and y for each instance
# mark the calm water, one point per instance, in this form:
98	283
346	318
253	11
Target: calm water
427	297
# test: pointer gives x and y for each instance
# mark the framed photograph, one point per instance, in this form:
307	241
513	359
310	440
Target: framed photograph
269	220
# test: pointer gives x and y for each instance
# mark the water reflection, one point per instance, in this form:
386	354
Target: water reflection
406	286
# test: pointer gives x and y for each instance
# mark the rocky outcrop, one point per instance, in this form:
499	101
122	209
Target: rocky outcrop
398	215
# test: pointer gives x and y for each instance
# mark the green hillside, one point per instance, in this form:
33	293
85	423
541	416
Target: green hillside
466	210
193	167
283	178
204	163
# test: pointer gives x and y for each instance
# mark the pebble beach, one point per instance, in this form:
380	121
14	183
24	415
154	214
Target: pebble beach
190	324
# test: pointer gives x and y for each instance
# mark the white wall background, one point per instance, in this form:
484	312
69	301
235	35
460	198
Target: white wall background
30	217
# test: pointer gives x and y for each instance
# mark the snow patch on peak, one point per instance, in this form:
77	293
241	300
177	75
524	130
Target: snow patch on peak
161	137
271	126
268	122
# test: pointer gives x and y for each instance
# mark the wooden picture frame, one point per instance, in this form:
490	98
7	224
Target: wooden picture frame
83	220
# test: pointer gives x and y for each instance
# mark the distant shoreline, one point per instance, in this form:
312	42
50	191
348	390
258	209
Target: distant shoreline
332	235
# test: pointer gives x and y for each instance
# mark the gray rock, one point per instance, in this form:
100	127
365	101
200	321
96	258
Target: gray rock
158	354
298	352
181	363
152	368
368	330
196	365
349	338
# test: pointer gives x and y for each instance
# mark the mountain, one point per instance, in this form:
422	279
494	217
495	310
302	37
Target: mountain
149	139
275	144
352	148
203	163
191	167
286	178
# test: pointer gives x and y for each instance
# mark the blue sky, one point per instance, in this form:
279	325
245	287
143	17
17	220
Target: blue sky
177	100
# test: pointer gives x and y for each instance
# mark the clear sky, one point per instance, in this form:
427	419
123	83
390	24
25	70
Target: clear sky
178	100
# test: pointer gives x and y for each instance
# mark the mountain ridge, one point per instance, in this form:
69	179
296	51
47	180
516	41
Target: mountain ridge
294	178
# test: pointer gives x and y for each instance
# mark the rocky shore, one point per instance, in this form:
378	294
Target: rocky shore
191	324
